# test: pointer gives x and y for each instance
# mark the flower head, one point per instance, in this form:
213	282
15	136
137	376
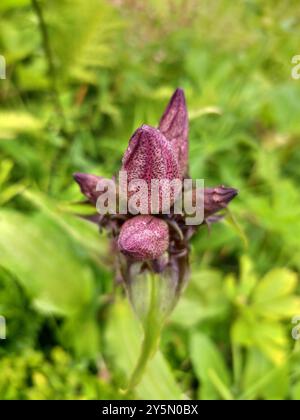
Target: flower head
161	154
157	241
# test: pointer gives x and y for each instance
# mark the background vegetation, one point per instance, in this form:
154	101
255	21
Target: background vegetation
80	78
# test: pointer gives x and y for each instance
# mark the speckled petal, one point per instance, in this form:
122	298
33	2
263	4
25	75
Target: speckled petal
88	184
149	156
144	237
174	125
216	199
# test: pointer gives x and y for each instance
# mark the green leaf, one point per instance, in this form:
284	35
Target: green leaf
89	47
81	231
267	336
296	391
248	279
22	321
231	221
6	166
209	366
274	386
271	298
13	123
276	283
82	334
203	299
280	308
10	4
45	262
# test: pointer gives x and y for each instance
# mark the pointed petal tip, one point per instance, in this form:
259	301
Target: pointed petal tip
235	192
178	98
179	92
79	177
88	185
227	193
218	198
144	130
147	129
174	125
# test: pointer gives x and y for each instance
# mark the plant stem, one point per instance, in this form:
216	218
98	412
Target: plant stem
63	128
152	329
49	56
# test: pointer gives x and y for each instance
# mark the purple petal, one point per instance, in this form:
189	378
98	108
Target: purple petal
88	184
174	125
144	237
149	156
217	198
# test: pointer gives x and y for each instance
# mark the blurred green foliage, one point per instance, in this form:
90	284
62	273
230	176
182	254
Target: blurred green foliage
79	81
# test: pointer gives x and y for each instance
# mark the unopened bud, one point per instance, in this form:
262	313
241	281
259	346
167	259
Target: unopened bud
144	237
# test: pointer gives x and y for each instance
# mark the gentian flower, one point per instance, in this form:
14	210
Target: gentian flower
156	243
157	153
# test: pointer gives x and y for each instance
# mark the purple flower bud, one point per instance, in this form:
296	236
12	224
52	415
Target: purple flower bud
144	237
149	156
217	198
174	125
88	184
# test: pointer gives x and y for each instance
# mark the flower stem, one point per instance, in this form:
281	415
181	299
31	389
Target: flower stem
54	91
152	329
49	57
